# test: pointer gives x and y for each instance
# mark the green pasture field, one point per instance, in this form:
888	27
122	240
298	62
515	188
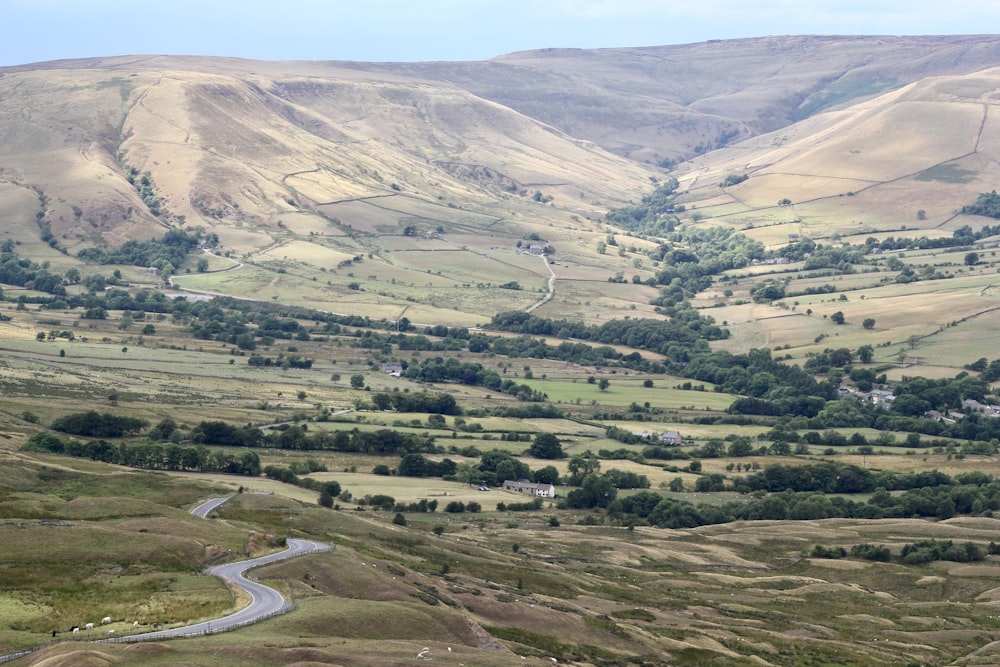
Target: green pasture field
465	267
244	240
626	391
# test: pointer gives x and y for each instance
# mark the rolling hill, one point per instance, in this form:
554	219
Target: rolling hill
301	168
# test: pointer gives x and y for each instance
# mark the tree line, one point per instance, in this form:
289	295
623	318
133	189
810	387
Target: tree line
151	456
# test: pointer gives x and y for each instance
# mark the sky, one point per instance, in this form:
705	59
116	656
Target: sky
424	30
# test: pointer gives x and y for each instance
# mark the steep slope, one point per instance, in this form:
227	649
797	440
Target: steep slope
670	102
907	159
225	143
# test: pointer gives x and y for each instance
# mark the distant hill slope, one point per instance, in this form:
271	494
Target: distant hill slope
909	159
667	102
244	143
107	149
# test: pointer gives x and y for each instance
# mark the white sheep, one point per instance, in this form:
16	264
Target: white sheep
135	624
105	620
89	626
111	632
75	628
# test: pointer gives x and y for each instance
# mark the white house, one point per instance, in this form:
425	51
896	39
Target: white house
530	488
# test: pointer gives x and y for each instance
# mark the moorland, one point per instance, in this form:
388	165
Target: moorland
735	301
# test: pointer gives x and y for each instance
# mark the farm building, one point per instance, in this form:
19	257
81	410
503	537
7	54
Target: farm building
530	488
671	438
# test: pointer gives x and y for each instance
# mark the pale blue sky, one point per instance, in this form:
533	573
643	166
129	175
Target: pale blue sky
413	30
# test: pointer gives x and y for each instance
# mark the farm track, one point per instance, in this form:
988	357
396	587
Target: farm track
552	287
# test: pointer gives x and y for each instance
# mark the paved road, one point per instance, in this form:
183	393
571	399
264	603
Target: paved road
264	600
202	511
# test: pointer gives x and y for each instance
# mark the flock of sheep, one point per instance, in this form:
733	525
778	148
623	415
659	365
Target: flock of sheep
104	621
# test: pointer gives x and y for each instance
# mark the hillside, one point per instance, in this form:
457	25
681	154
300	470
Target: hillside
669	102
909	159
439	176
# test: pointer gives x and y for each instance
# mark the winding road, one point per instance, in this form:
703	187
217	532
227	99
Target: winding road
264	600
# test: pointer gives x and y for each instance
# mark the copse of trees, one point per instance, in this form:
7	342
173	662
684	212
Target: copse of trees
298	437
988	204
149	455
682	336
417	465
288	475
173	249
546	446
421	401
16	270
99	425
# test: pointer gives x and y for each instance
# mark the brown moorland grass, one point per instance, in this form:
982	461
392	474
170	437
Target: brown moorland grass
692	582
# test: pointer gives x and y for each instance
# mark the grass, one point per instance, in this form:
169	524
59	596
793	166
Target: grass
610	593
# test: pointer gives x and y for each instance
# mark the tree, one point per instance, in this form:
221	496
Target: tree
972	259
546	475
866	353
837	317
594	492
399	519
325	500
840	357
580	466
468	473
868	323
603	384
546	446
357	381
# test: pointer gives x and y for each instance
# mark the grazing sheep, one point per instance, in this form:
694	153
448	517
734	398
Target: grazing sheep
105	620
89	626
75	628
111	632
135	624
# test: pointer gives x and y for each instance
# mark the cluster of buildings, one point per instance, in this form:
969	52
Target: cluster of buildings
885	397
665	438
969	405
532	489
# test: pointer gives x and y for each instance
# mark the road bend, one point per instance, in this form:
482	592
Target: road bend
264	600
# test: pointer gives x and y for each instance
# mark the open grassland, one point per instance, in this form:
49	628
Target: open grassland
492	587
